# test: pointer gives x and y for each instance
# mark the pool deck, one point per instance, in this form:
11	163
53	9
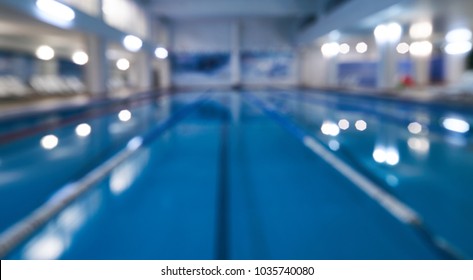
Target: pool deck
442	95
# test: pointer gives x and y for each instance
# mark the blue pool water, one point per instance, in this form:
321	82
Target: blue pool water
223	179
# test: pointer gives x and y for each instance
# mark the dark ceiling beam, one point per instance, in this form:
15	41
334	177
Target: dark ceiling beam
231	8
346	15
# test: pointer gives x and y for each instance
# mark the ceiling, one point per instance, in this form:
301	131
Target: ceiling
239	8
360	17
315	18
23	33
444	14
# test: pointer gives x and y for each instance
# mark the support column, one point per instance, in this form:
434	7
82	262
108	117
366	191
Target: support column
164	66
165	77
387	65
332	71
235	54
96	71
387	37
422	70
140	73
454	67
99	7
330	52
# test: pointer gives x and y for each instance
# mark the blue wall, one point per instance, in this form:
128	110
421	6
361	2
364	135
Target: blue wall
193	68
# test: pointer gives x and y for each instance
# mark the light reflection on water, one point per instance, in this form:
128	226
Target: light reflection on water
423	154
124	175
52	241
388	149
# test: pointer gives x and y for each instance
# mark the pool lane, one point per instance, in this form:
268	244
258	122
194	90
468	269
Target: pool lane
299	207
431	168
30	172
160	203
282	201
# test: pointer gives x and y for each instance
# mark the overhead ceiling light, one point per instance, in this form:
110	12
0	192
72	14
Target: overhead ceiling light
123	64
458	35
45	52
107	7
334	35
456	48
380	32
344	48
395	31
421	30
388	32
132	43
423	48
80	58
56	9
161	53
330	49
361	47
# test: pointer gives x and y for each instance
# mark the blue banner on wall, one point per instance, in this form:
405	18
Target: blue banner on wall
197	68
268	65
364	74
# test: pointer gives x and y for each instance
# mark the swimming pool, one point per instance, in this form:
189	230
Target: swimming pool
243	175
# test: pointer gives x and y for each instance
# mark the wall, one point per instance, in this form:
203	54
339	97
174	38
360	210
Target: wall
161	76
267	34
268	57
201	35
352	69
360	70
225	52
200	52
312	67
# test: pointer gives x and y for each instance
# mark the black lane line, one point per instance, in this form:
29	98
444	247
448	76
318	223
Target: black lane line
222	250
